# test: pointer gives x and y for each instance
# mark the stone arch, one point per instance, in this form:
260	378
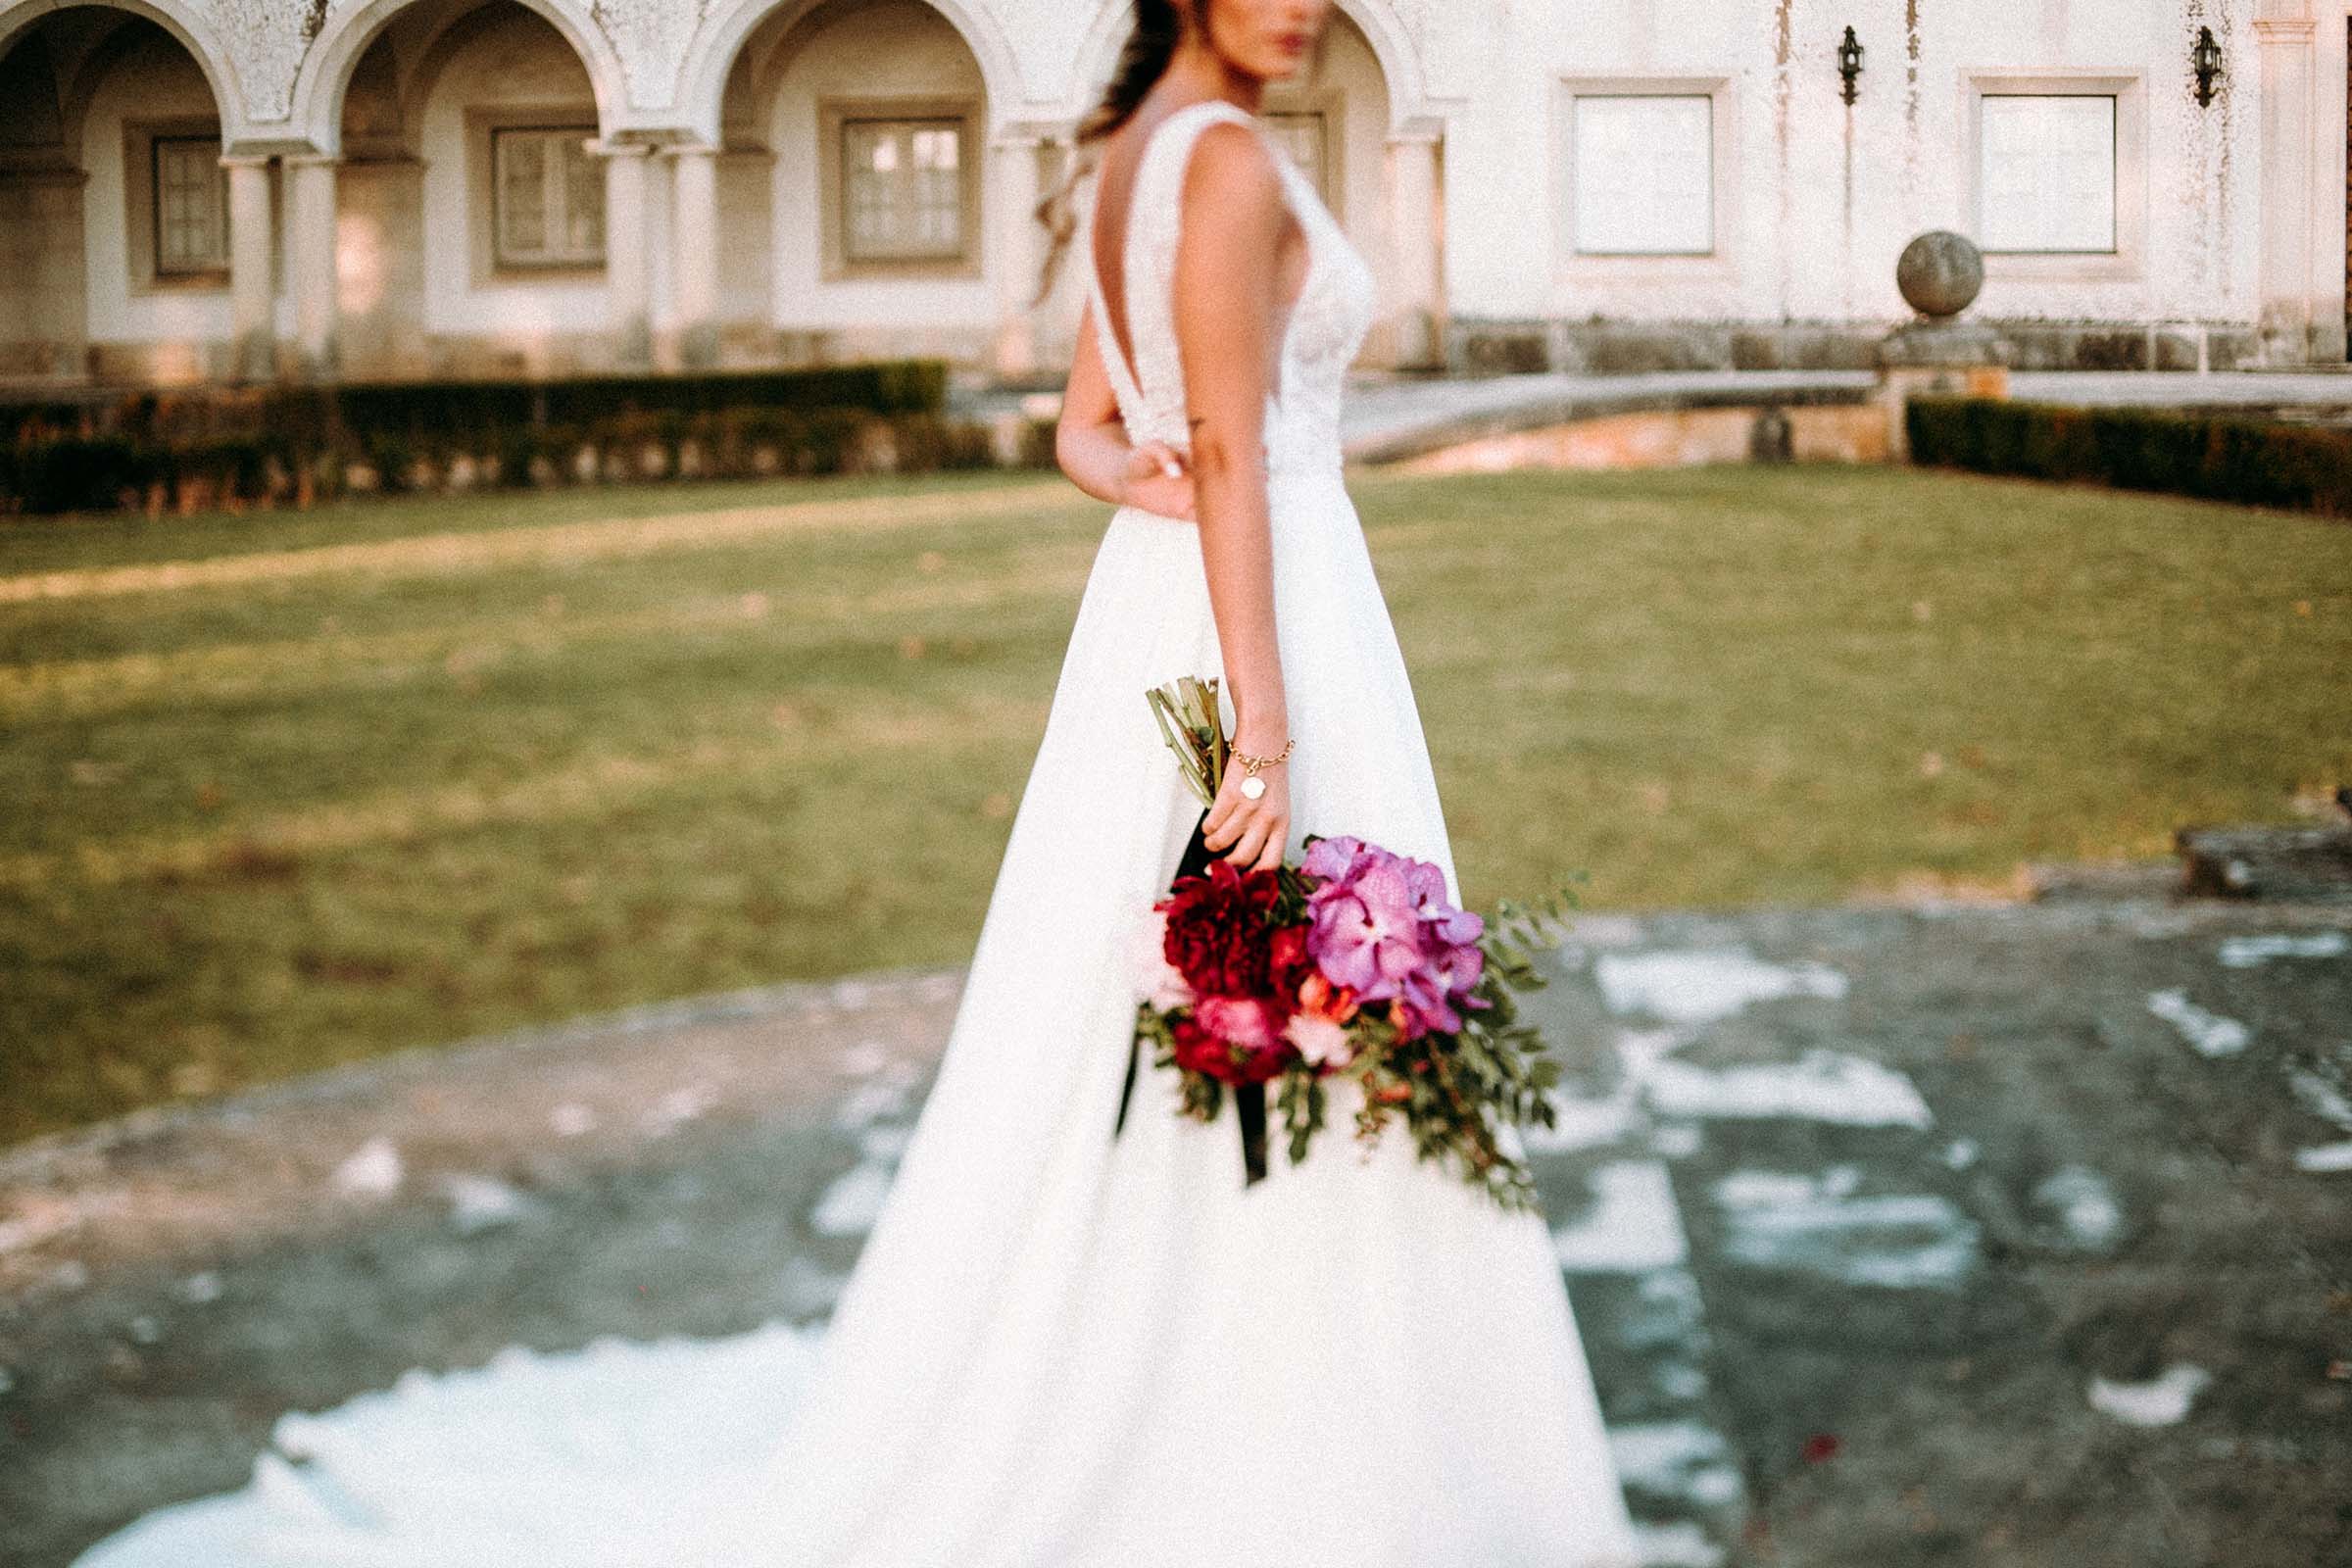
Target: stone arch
710	57
1400	64
326	69
183	21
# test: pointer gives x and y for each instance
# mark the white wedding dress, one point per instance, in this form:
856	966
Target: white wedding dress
1061	1350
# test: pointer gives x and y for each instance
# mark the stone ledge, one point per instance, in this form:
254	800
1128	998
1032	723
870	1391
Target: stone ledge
2268	864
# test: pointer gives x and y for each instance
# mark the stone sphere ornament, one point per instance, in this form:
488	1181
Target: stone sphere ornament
1940	274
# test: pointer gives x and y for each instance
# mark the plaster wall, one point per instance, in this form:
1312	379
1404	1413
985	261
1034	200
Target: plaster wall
1817	199
885	49
519	64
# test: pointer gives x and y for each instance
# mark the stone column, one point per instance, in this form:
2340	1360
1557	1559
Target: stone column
1417	227
2285	31
311	186
694	244
627	270
1015	246
252	287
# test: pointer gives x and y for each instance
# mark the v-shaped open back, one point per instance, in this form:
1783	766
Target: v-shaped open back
1146	373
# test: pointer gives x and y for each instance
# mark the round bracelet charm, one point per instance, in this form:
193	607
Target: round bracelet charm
1252	785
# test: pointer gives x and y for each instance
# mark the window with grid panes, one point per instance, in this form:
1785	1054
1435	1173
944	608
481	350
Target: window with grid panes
547	196
901	190
191	206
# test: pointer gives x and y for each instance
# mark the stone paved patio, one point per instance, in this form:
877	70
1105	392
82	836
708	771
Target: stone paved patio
1984	1234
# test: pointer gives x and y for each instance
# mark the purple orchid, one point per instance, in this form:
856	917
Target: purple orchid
1380	925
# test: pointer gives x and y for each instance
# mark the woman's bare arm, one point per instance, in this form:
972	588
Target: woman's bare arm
1227	300
1091	447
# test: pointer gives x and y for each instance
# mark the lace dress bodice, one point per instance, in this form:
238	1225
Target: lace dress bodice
1326	322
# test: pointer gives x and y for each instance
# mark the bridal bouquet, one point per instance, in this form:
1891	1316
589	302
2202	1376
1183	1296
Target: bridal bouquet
1348	963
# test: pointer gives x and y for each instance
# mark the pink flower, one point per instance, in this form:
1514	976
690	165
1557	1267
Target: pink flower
1320	1039
1232	1038
1241	1021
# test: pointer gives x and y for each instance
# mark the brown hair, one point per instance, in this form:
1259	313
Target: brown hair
1159	29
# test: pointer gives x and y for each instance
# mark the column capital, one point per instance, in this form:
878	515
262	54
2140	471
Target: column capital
245	160
607	147
314	160
2284	30
680	151
1031	129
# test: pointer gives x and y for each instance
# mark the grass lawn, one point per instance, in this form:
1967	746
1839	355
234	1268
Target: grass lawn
287	790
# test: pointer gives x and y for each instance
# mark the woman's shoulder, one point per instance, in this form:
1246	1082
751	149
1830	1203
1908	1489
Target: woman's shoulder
1231	165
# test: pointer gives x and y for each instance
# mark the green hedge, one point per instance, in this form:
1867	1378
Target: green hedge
200	449
84	473
2264	462
318	413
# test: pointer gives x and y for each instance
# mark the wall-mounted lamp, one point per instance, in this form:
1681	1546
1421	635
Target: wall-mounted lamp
1849	64
2207	58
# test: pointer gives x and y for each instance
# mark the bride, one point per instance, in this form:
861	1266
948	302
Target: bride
1061	1349
1065	1350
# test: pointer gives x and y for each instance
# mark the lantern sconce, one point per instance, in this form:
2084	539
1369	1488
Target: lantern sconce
2207	58
1849	64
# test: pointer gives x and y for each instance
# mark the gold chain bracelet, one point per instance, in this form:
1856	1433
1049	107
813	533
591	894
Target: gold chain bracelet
1252	785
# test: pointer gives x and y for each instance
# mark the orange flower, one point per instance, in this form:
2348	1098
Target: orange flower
1324	1000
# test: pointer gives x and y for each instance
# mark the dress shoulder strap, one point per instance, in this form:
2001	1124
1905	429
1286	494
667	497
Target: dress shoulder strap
1157	203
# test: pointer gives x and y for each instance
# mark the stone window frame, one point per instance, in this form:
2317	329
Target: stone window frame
484	267
2129	88
558	257
1721	263
832	114
1330	103
141	214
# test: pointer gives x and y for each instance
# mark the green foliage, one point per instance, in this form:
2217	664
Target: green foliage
2254	461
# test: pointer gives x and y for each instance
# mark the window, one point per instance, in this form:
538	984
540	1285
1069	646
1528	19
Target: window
2056	170
190	199
2046	169
898	186
1301	134
902	190
1643	174
547	196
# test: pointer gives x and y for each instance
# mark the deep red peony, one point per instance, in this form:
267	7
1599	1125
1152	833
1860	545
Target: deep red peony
1217	930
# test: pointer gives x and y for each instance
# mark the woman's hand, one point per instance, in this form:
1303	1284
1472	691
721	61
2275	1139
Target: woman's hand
1259	830
1156	480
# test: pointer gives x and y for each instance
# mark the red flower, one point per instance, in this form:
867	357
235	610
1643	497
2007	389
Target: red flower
1202	1051
1288	966
1217	932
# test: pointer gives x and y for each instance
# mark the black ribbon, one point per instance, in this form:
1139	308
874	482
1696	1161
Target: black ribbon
1248	1099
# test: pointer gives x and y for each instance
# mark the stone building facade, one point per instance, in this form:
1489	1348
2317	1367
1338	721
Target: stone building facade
243	189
